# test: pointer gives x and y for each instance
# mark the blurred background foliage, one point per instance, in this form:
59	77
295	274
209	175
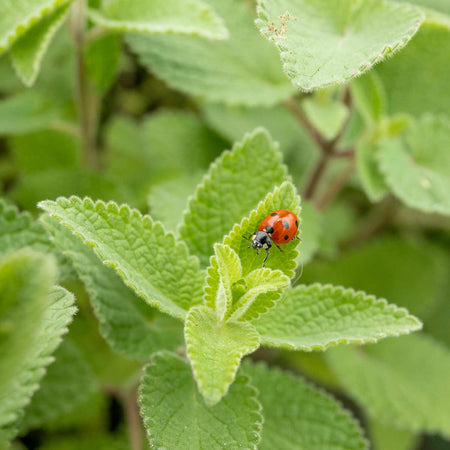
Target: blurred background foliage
153	111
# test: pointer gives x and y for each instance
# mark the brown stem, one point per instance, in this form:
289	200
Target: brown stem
316	176
133	421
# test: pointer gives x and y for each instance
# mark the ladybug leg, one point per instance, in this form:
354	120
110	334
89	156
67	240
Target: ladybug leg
265	259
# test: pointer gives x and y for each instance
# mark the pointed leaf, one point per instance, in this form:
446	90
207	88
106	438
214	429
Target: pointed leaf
317	317
33	317
416	165
68	383
16	19
225	270
243	69
215	350
126	321
235	184
322	44
29	50
148	259
264	287
283	197
191	17
299	416
176	416
400	382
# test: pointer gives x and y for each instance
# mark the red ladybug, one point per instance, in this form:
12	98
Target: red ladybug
279	227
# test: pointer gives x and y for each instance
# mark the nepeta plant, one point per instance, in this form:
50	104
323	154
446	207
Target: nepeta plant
200	345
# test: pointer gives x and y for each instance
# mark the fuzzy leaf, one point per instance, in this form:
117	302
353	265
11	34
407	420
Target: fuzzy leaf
235	184
19	16
215	350
321	44
26	112
243	69
176	416
317	317
283	197
68	383
28	51
299	416
190	17
126	321
148	259
401	382
33	318
416	165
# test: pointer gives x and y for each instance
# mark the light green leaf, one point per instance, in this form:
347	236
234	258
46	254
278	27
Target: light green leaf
126	321
102	60
402	382
28	51
33	318
215	350
148	259
176	416
225	270
320	316
385	437
370	176
190	17
243	69
69	381
416	165
328	116
426	57
299	416
321	44
283	197
235	184
409	273
26	112
20	15
311	231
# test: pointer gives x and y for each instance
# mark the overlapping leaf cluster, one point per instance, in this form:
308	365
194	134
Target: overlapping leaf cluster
228	311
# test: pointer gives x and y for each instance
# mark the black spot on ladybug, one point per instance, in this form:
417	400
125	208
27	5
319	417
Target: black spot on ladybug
269	229
274	214
296	223
286	237
286	224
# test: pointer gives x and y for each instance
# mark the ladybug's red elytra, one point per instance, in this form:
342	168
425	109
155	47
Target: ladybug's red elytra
279	227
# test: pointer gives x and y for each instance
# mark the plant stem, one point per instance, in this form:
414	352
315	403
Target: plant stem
133	421
87	103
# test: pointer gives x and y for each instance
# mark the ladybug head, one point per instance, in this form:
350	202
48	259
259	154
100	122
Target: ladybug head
261	239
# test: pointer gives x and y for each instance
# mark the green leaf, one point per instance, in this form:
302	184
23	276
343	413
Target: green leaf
283	197
328	116
409	273
235	184
243	69
26	112
33	318
416	165
321	44
311	231
69	381
176	416
299	416
17	19
402	382
102	61
126	321
215	350
385	437
426	56
189	17
148	259
28	51
317	317
87	440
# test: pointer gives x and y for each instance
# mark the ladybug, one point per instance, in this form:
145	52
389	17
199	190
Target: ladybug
279	227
